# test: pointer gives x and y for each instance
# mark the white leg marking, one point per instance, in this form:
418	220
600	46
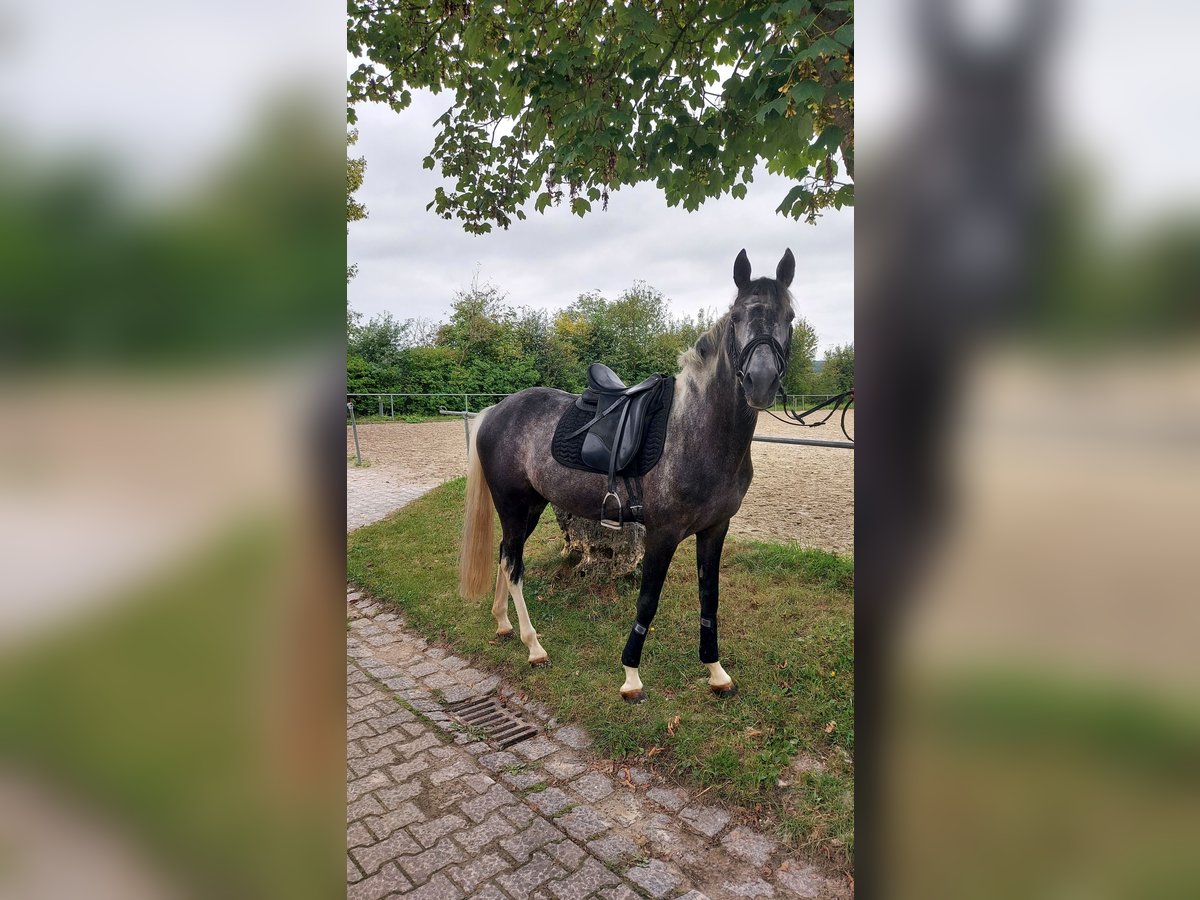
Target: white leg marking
717	677
633	683
528	636
500	604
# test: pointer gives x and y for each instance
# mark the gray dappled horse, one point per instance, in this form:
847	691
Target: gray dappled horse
734	370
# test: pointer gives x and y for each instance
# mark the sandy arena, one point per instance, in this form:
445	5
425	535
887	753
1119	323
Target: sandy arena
802	494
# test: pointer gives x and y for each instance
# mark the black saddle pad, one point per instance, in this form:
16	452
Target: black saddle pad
567	451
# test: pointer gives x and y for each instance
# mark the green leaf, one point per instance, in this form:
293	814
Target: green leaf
580	206
738	190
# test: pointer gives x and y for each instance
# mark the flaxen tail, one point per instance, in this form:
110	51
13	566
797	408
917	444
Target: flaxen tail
477	564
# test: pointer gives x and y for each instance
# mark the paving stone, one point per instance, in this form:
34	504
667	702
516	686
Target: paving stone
444	753
420	866
363	702
371	858
563	765
405	814
614	848
440	680
384	757
519	814
360	730
379	741
540	869
673	799
590	878
407	770
479	782
522	778
358	836
453	663
488	685
537	835
457	693
435	653
422	743
470	676
620	893
452	771
361	715
475	839
416	729
640	776
592	787
535	747
388	881
392	797
749	845
439	888
400	683
366	806
476	748
489	892
391	720
583	823
353	596
694	895
429	833
707	820
476	810
480	869
367	783
549	801
567	853
420	670
655	878
352	872
499	760
752	887
574	737
355	750
801	880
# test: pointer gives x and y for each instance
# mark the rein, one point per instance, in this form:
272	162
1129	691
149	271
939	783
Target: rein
833	402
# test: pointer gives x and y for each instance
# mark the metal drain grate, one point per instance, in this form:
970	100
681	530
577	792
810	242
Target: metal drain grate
502	727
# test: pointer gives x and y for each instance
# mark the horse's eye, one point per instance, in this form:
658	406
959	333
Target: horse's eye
735	317
791	317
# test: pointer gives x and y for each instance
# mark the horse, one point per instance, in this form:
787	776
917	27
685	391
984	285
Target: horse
734	370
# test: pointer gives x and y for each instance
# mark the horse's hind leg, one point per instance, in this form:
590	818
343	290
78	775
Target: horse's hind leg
504	627
708	570
515	519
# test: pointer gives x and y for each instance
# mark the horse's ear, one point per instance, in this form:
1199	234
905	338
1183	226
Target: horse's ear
741	270
786	269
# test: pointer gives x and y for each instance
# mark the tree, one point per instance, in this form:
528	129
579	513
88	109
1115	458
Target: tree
573	100
355	211
837	374
380	341
800	376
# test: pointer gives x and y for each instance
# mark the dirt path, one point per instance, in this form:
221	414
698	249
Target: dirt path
802	494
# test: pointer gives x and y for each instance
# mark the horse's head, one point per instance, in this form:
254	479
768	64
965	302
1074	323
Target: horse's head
760	329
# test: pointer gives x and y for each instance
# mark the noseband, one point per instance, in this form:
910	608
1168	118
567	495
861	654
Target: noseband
742	358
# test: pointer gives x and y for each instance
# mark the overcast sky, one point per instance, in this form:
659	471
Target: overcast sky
410	262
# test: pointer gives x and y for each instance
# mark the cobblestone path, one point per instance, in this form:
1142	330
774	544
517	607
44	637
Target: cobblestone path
436	811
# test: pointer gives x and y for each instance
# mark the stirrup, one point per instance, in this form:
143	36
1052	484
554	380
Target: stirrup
614	524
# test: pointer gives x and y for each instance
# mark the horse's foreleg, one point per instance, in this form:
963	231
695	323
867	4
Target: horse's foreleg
659	551
708	569
500	605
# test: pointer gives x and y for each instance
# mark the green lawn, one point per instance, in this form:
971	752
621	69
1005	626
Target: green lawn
786	638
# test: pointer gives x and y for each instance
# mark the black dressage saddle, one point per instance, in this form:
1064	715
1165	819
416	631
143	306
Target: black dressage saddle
614	421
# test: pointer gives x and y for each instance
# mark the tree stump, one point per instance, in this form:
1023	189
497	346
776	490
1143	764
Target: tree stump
600	550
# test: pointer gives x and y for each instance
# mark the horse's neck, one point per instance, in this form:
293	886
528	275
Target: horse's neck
716	417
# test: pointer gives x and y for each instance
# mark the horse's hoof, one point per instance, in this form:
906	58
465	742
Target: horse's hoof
542	663
634	696
725	691
504	635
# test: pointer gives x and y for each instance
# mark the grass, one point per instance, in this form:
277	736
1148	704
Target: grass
786	638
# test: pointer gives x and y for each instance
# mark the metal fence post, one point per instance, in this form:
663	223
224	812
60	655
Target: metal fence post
381	406
466	425
354	428
392	400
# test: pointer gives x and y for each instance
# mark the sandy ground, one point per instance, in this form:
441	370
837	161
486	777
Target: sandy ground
802	494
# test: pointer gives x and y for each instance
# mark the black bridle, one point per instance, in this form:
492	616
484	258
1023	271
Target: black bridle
742	357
